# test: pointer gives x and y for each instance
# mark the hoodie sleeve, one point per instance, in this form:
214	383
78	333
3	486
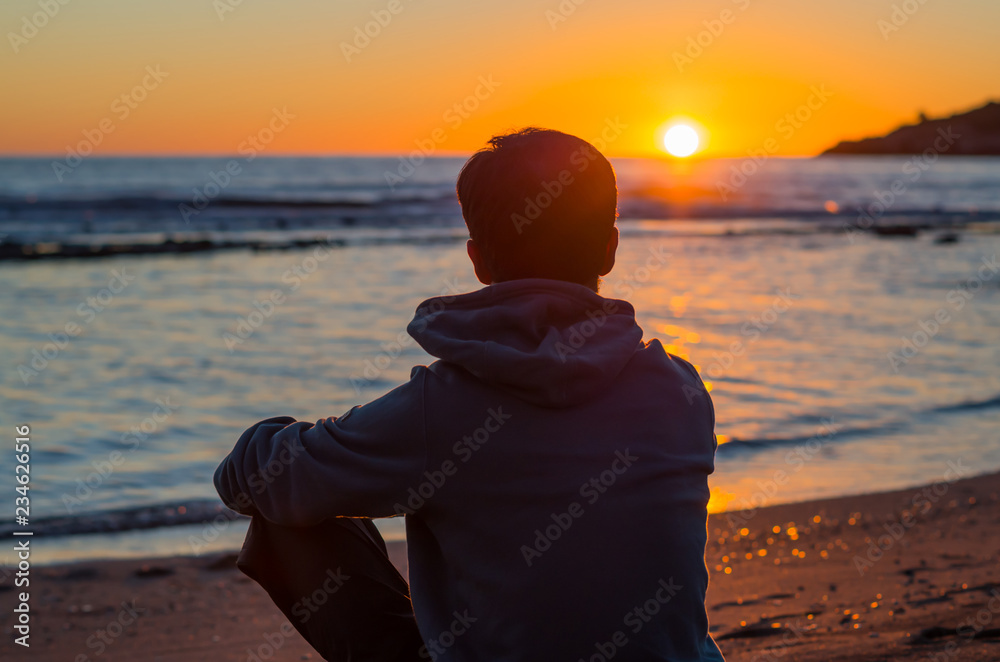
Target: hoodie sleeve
358	465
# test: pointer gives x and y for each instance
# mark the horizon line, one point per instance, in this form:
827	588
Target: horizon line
370	155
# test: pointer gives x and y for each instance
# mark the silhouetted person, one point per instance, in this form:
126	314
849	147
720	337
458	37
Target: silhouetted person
552	467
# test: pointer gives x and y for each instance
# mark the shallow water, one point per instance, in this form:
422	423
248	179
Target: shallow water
809	390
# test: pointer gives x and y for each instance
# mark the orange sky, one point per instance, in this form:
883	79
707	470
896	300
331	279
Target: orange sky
224	72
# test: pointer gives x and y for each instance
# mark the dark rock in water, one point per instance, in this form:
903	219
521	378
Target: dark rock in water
895	230
975	132
12	250
947	238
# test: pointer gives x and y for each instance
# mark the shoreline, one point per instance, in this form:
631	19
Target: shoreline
94	546
907	574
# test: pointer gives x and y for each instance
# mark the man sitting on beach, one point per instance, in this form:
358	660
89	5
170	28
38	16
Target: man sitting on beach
551	466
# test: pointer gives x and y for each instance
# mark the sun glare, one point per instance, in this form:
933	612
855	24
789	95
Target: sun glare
681	140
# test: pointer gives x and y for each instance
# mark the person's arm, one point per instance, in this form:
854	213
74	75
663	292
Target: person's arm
358	465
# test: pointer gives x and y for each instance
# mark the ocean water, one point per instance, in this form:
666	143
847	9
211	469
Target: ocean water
840	362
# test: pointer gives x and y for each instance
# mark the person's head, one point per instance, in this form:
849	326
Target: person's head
540	204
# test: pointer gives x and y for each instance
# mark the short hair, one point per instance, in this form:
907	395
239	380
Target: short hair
540	204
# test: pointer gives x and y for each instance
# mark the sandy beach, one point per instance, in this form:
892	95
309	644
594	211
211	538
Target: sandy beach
904	575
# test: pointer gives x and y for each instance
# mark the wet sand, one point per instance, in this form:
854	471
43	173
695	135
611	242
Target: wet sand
906	575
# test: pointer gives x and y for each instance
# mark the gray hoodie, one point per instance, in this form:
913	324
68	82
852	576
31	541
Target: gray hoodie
552	469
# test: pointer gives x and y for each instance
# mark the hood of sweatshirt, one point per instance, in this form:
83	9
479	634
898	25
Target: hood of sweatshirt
549	342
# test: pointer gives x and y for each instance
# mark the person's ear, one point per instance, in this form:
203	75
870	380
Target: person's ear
482	271
609	254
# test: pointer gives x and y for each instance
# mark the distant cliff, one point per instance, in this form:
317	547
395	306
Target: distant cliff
976	132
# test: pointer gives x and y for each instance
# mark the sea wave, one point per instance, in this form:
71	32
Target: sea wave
208	511
835	433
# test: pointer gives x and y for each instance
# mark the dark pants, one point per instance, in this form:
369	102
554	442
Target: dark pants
336	585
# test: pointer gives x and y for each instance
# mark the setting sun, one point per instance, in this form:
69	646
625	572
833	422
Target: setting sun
681	140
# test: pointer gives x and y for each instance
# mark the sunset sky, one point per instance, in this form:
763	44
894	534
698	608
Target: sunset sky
226	65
